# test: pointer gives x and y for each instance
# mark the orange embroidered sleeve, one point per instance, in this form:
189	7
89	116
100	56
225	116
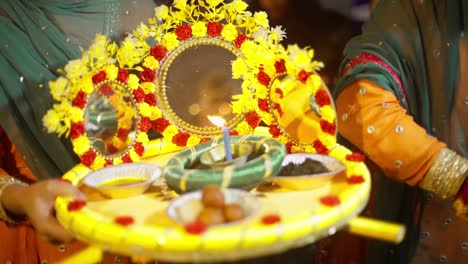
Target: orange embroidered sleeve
371	118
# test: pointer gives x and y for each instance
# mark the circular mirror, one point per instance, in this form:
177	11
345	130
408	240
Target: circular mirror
197	82
110	119
298	119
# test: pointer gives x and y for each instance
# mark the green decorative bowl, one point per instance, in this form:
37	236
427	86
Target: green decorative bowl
184	172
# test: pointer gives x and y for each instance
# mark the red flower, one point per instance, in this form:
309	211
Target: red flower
106	90
327	127
88	158
99	77
280	66
160	124
122	76
126	159
322	98
205	139
263	105
139	95
158	52
289	145
150	99
147	75
111	149
280	92
263	78
76	205
80	100
330	200
195	227
145	124
122	133
271	219
124	220
180	139
139	148
355	156
355	179
76	130
274	131
214	29
240	39
233	132
108	163
183	32
320	147
303	76
253	119
278	108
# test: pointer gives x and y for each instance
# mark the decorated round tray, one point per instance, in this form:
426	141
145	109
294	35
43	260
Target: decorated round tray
140	226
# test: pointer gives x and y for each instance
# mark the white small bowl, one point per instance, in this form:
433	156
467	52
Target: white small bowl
123	180
186	207
309	181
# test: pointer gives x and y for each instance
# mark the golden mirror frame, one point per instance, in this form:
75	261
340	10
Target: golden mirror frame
163	101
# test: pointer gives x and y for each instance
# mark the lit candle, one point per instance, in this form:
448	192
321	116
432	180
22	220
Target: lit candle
219	122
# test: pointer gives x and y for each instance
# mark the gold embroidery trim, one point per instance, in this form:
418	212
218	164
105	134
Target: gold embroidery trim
446	174
4	182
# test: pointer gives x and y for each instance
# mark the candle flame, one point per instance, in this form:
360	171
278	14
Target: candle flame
217	121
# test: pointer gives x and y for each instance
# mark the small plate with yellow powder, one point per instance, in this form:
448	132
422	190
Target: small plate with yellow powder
124	180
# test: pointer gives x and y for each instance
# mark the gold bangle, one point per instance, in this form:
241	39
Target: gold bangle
446	174
4	182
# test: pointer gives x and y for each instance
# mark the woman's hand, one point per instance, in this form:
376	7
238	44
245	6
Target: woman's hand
36	202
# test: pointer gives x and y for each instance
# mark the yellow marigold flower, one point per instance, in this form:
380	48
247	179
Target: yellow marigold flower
111	72
261	91
155	113
112	48
193	140
76	114
309	149
99	162
314	82
151	63
145	109
170	41
239	5
81	144
75	68
85	84
117	161
51	121
238	68
170	131
180	4
142	31
133	155
340	153
328	113
238	107
59	88
302	59
328	140
229	32
213	3
261	19
268	119
244	128
148	87
353	169
199	29
283	139
143	138
161	12
133	81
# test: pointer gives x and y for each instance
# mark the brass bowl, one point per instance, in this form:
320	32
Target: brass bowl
309	181
124	180
185	208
